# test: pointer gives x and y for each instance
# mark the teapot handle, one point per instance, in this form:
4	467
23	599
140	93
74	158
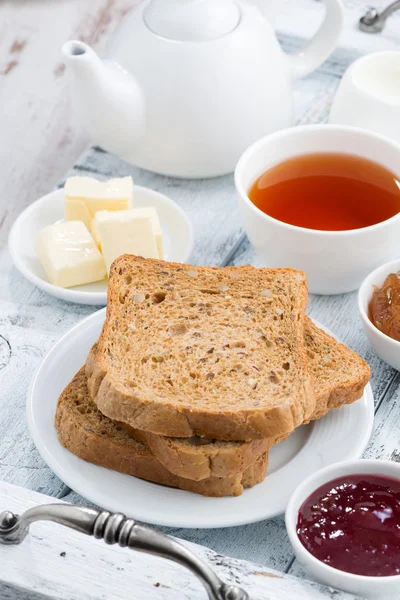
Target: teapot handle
322	44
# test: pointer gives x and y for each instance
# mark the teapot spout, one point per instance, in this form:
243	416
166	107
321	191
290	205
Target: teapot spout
110	100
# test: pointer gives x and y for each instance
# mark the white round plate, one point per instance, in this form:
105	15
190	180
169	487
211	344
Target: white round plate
340	435
176	228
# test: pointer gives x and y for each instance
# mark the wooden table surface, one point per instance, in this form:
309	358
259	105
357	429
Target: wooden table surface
41	141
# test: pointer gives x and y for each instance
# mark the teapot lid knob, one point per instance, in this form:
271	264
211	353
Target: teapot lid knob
192	20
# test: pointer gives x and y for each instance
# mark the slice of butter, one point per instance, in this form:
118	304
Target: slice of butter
84	196
120	233
128	215
69	255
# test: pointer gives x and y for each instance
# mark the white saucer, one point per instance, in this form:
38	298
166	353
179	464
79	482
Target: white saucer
341	435
176	228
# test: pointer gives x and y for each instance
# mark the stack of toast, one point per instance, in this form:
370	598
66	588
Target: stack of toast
199	371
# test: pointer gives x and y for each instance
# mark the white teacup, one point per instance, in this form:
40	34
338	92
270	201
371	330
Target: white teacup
334	261
369	95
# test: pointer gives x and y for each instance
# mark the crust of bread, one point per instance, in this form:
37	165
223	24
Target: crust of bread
262	417
85	432
198	458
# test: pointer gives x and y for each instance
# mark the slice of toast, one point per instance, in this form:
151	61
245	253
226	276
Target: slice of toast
340	376
203	351
83	430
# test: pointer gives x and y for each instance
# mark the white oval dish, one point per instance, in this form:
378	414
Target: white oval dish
386	347
176	228
385	588
342	434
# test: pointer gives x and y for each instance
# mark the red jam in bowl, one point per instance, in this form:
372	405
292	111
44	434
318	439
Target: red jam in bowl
353	524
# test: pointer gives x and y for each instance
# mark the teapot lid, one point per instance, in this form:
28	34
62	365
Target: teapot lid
192	20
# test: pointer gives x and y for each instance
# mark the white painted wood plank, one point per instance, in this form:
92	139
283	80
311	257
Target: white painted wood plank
311	12
40	140
40	137
30	323
61	564
265	543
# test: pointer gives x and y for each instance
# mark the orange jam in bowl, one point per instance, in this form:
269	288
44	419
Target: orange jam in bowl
384	307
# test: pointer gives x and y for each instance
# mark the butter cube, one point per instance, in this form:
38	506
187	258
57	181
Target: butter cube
127	215
84	196
69	255
150	211
121	233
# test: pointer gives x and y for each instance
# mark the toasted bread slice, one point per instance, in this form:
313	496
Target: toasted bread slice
199	458
340	376
83	430
218	353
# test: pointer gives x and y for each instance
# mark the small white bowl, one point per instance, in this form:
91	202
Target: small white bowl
335	262
176	228
386	347
385	588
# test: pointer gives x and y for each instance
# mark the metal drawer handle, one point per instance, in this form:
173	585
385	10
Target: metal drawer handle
117	529
374	22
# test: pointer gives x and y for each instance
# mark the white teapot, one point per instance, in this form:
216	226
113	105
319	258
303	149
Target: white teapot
189	84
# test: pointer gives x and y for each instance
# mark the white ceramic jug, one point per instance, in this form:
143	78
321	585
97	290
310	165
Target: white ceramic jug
189	84
369	95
